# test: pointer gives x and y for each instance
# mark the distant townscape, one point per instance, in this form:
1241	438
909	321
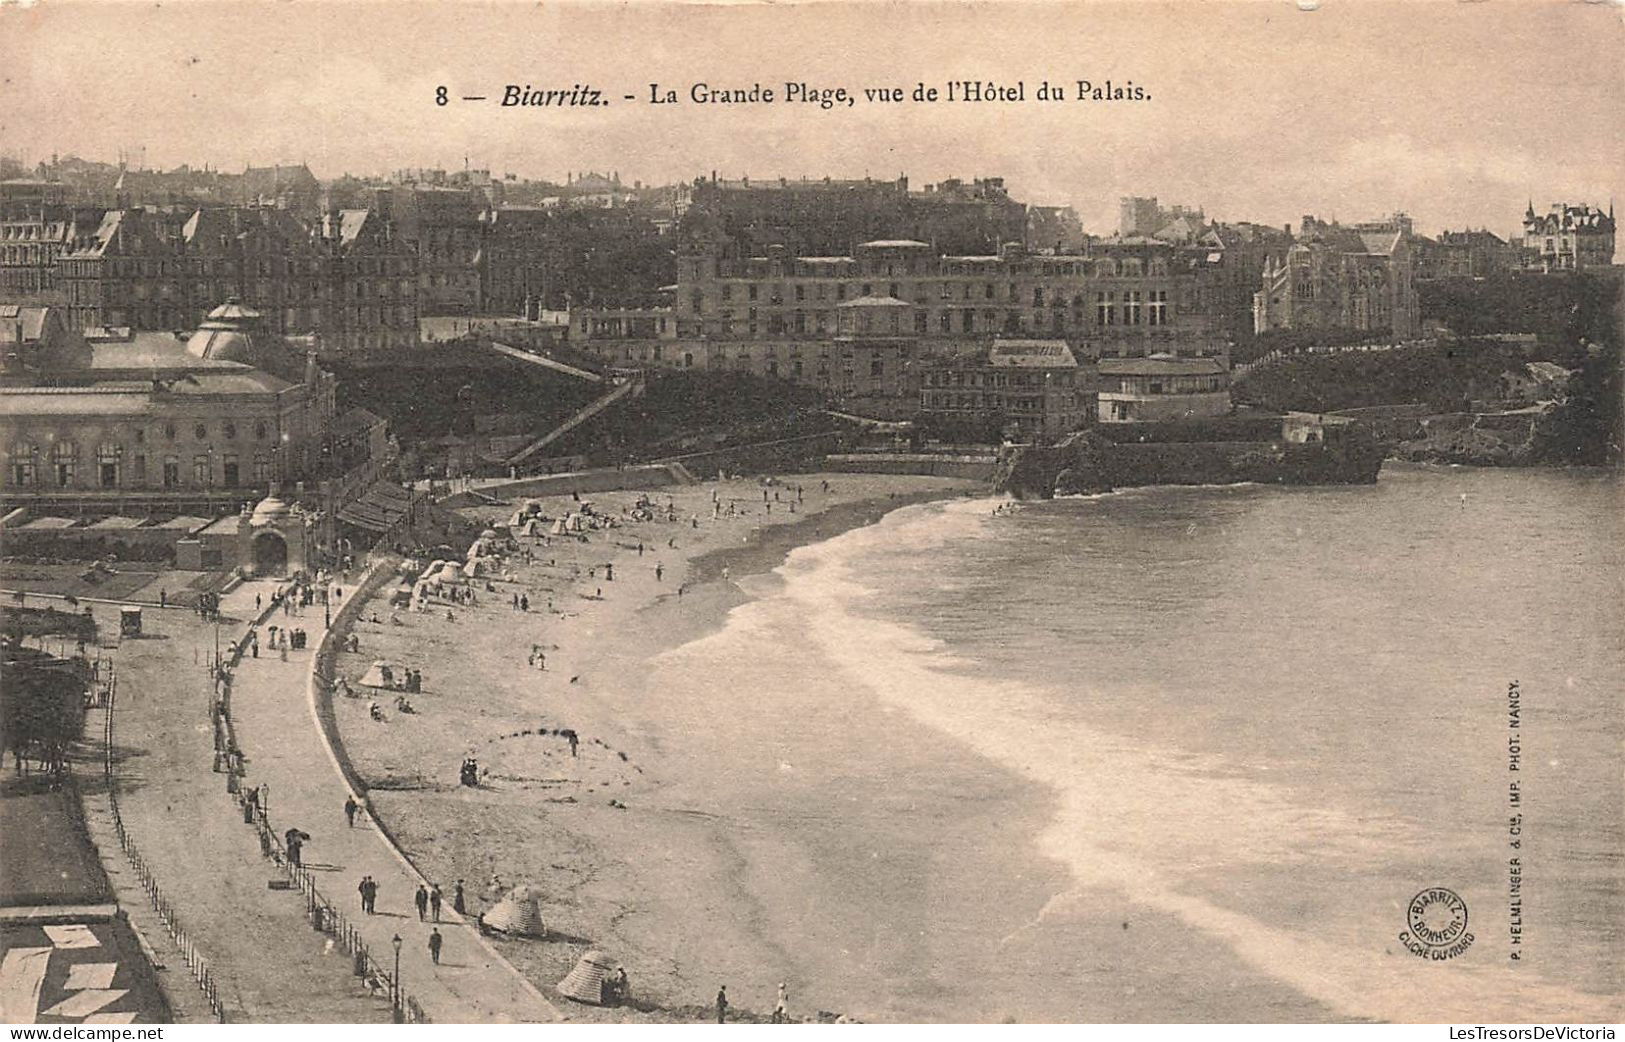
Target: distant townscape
191	339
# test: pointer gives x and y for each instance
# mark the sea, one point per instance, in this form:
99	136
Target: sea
1183	753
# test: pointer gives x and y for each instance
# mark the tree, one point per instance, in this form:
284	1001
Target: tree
42	707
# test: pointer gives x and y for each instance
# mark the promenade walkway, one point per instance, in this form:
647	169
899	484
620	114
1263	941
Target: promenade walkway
268	963
285	752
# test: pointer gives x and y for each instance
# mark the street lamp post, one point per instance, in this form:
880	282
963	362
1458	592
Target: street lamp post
397	979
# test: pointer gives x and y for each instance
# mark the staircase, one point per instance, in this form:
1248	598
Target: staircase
633	386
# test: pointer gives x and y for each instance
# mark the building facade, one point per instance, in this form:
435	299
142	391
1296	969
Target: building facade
1036	388
1162	388
147	419
862	326
1568	237
348	279
1335	277
1465	255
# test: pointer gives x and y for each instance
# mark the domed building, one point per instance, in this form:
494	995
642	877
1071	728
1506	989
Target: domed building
114	421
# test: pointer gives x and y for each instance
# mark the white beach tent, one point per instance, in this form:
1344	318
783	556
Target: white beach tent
378	675
585	983
517	915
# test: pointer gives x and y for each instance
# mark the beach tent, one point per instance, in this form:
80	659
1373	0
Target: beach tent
586	982
379	675
559	527
517	915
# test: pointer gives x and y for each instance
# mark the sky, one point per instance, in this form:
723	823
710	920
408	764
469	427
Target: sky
1457	113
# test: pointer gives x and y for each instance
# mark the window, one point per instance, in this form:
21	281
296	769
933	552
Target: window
230	431
877	367
200	470
1131	307
752	291
200	432
1157	308
229	469
727	291
1105	313
107	461
172	471
262	468
169	431
23	470
64	462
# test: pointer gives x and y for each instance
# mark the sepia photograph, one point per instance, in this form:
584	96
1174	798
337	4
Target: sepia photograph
890	512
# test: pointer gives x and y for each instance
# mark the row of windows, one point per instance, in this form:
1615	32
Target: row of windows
66	448
1137	308
999	378
779	293
110	471
1028	403
1099	267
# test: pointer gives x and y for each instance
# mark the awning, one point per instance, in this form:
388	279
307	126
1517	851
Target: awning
379	509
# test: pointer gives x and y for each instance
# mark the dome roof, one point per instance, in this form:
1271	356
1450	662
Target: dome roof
269	511
227	335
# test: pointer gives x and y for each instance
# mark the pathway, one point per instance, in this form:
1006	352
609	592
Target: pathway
269	965
285	752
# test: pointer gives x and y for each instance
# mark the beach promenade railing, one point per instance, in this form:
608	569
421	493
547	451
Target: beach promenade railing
322	913
326	917
196	964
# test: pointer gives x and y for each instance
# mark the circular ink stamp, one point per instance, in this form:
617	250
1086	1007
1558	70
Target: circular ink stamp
1436	921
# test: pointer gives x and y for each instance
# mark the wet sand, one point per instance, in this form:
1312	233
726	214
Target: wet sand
670	887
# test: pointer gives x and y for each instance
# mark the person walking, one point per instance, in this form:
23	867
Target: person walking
434	901
362	889
781	1008
350	807
722	1004
435	941
458	903
421	899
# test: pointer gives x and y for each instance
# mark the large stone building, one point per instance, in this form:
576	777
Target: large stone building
1142	216
1162	388
348	280
31	248
1357	277
1465	254
445	227
1036	388
828	217
369	290
136	421
860	325
1569	237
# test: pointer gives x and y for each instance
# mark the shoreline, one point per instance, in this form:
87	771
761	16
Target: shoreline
548	819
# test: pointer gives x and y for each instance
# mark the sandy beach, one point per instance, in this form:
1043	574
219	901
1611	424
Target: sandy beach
609	832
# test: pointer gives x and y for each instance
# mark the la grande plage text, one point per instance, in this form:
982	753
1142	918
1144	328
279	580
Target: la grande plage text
953	91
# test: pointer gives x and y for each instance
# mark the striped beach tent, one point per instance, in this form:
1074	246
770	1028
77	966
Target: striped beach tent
517	915
586	983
